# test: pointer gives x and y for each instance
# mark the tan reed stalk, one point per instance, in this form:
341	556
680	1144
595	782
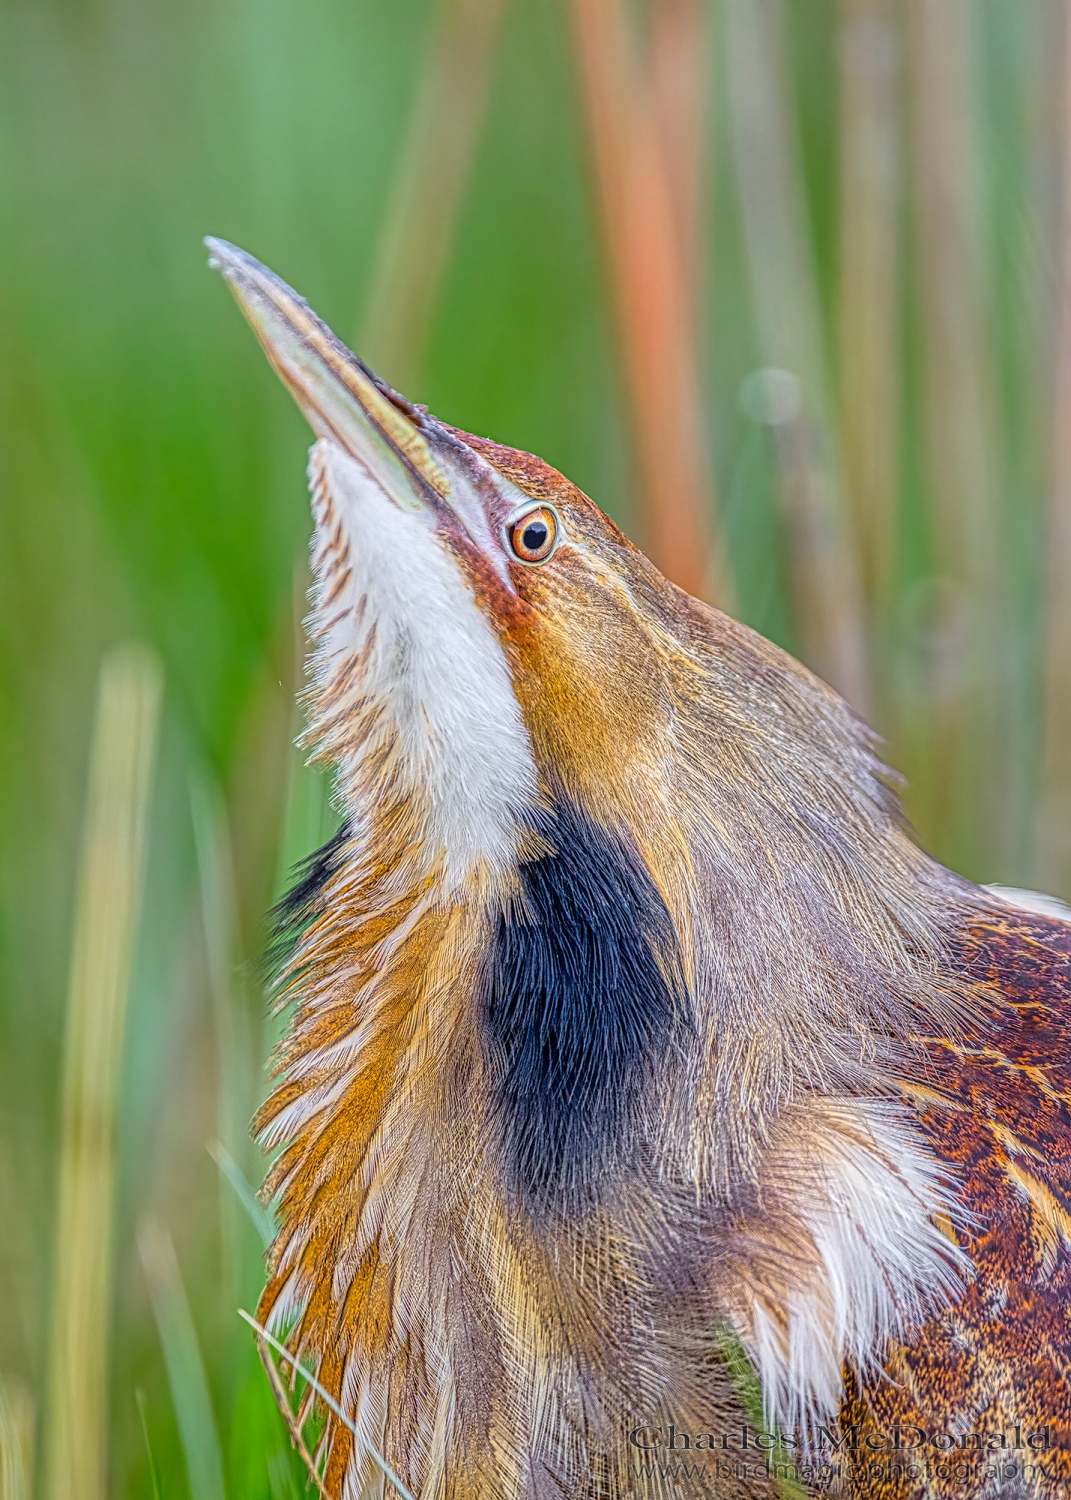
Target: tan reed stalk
106	911
16	1440
646	209
182	1356
825	576
679	83
868	309
236	1047
968	799
429	185
1053	855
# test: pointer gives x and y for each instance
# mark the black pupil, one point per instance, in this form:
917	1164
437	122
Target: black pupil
534	535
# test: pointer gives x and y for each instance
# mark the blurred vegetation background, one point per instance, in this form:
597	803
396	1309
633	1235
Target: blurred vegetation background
786	287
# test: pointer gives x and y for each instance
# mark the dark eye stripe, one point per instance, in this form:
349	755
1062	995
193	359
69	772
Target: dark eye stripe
532	536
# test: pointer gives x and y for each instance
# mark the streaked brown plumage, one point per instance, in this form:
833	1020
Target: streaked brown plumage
626	1011
994	1101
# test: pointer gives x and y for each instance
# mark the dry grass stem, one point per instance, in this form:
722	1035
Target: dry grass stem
182	1356
429	185
267	1341
16	1440
869	289
963	623
235	1043
638	117
679	84
108	897
787	312
1054	807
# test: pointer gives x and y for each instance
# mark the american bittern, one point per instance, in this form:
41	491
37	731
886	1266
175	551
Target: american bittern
628	1012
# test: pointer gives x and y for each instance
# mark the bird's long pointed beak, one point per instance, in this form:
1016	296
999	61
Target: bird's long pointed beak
341	398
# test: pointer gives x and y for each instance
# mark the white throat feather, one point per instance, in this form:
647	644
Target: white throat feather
400	644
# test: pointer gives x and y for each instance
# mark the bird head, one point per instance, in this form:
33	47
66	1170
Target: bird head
650	805
514	640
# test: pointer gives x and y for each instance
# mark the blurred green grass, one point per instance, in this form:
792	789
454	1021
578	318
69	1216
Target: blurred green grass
151	473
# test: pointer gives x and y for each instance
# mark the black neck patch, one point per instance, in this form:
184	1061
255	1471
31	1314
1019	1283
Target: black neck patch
583	997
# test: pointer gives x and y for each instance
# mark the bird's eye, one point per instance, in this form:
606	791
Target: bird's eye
533	535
